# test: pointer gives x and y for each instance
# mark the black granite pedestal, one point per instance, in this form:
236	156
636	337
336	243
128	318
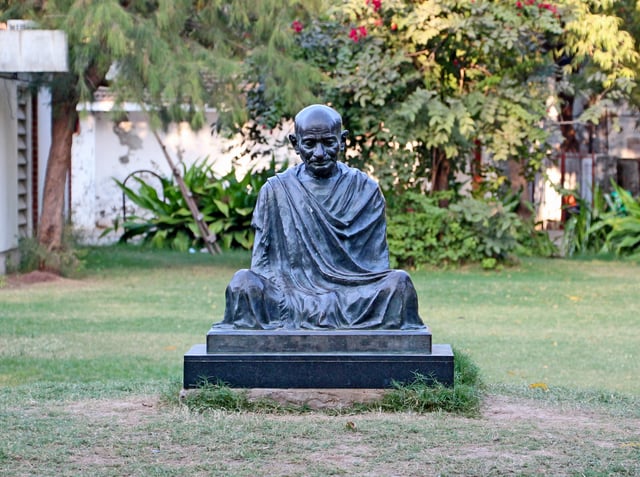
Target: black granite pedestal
317	359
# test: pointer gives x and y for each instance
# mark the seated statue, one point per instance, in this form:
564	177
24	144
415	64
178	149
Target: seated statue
320	258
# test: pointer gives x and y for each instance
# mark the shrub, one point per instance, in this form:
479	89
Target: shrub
610	224
226	205
469	230
624	224
67	261
586	230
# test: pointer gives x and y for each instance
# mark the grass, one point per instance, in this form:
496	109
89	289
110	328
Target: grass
560	322
83	364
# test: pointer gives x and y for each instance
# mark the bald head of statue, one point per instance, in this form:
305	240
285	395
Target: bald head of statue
319	139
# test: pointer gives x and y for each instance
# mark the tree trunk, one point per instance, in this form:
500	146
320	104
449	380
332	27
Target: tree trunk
440	170
519	185
64	122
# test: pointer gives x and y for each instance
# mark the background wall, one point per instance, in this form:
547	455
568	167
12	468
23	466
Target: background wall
104	150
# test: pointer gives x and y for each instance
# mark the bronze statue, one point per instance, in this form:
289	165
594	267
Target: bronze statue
320	258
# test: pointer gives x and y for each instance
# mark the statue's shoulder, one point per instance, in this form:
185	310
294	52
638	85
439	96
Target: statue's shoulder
357	175
276	181
286	175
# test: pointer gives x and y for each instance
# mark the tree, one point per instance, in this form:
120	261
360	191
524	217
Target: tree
598	63
176	57
424	84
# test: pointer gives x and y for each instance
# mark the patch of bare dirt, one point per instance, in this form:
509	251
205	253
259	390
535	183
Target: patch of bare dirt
128	412
501	408
513	436
18	280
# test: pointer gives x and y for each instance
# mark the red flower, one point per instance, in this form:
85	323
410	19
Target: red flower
519	4
357	34
297	26
377	4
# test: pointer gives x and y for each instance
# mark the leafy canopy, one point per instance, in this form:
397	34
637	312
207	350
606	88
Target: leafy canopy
178	56
419	82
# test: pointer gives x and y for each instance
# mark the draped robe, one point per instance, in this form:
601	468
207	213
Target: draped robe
320	259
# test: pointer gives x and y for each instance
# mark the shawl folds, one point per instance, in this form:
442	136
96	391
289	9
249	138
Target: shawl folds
320	259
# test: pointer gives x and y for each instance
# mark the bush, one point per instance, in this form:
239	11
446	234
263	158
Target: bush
624	224
610	224
421	232
586	230
67	261
226	205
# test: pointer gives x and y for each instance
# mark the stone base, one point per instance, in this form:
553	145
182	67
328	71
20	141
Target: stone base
327	369
221	340
310	398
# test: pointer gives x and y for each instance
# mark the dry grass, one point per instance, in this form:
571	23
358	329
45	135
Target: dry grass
136	435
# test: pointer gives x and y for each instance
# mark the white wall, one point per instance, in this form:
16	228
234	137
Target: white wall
44	138
104	150
8	170
33	50
624	135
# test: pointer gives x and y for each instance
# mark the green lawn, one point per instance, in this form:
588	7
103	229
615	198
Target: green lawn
565	323
84	364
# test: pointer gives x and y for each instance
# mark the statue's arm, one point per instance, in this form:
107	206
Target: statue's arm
260	224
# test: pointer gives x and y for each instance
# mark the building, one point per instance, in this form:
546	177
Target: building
25	128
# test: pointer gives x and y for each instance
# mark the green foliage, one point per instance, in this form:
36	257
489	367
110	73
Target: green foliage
493	227
226	206
217	396
422	83
624	233
610	224
418	81
181	56
420	232
68	260
586	229
419	396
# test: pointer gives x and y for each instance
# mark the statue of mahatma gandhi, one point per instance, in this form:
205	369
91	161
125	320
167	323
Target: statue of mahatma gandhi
320	259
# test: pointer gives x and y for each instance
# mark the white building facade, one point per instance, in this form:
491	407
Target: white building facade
25	129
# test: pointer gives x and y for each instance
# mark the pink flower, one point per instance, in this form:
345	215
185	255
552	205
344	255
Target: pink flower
377	4
297	26
357	34
519	4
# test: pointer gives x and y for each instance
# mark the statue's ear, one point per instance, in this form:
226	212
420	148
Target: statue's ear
343	139
294	141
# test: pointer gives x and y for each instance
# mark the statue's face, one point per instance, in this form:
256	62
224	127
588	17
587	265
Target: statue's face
319	145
